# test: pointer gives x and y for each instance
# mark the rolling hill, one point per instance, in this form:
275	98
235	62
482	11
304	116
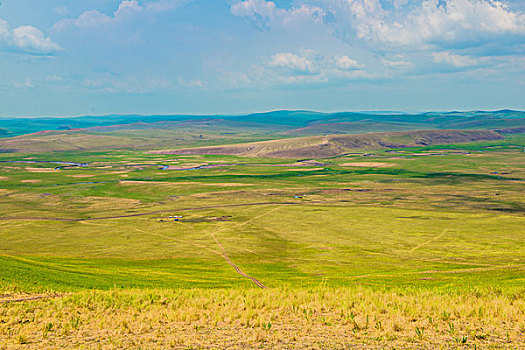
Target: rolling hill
330	146
285	122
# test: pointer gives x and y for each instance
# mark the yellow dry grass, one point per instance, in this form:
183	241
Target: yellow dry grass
319	318
138	182
40	170
369	164
108	203
306	169
80	175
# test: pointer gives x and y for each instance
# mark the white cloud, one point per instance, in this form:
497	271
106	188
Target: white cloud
164	5
455	60
268	14
303	68
346	63
92	83
410	23
4	30
426	22
125	10
395	36
32	39
457	21
291	62
128	5
54	78
62	11
197	83
398	62
27	83
26	39
251	8
128	83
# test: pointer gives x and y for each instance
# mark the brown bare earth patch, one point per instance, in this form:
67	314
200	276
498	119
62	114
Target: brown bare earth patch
4	178
109	203
138	182
369	164
80	175
40	170
31	181
306	169
226	184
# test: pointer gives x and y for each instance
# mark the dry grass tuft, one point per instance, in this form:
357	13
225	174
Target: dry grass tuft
275	318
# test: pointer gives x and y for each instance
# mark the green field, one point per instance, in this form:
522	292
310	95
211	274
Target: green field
437	223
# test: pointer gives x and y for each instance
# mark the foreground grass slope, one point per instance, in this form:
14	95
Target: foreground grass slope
317	318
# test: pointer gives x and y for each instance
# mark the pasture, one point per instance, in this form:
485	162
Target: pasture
420	247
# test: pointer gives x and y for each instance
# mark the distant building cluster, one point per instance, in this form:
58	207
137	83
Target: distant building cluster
172	218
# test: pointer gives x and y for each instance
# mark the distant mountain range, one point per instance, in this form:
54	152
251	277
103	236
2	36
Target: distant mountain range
292	123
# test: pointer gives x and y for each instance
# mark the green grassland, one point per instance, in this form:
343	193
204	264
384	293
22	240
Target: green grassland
392	220
440	223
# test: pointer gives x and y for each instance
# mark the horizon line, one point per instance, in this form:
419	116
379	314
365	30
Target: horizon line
385	112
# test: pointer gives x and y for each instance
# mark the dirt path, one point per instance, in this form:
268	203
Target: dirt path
180	241
429	241
237	268
225	254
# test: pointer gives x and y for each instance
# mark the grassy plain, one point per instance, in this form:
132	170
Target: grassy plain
411	247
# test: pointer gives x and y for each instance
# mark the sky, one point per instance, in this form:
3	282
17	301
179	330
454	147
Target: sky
95	57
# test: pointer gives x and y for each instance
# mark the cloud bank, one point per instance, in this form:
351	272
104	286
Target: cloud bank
127	9
234	51
27	40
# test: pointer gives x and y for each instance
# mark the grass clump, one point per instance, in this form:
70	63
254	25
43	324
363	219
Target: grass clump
326	316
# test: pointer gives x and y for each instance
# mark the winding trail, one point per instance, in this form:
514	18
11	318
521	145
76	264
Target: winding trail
180	241
222	253
225	254
429	241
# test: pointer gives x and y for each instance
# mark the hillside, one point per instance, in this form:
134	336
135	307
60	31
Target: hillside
329	146
295	123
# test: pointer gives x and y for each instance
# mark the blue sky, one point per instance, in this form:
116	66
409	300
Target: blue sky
60	57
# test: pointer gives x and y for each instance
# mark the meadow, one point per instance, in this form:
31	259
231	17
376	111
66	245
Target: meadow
412	247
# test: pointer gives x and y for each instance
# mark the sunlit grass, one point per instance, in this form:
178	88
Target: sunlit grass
316	317
429	252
